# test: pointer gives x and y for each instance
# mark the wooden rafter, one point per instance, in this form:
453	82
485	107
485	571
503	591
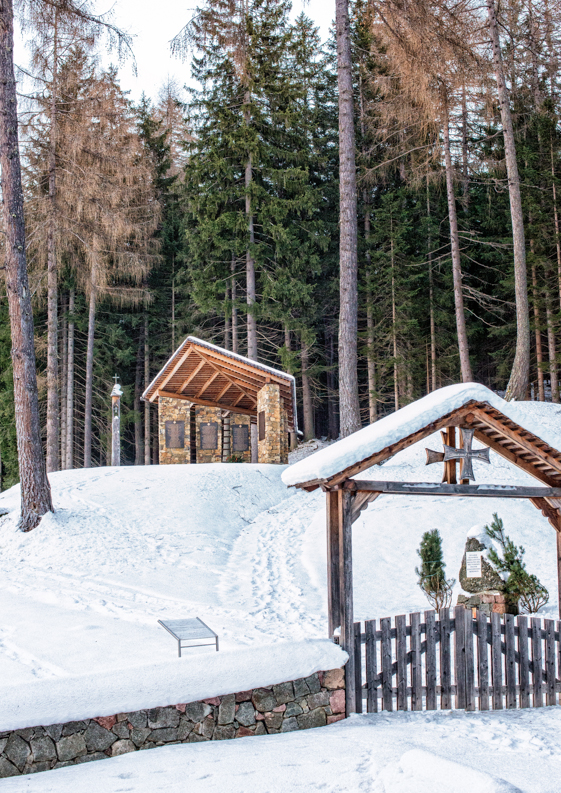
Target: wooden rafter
223	373
444	489
224	390
207	384
516	459
193	374
168	377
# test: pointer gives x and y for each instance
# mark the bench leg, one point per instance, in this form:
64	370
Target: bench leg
217	644
179	648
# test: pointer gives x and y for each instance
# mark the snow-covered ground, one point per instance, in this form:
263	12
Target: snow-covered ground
80	597
443	752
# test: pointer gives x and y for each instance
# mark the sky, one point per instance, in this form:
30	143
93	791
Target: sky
155	22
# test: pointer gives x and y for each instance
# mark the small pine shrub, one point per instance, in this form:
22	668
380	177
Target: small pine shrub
432	578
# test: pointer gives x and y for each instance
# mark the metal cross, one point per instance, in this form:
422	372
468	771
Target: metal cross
116	378
466	455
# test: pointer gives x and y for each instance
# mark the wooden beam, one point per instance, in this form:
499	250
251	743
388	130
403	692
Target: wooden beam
443	489
180	363
362	500
553	515
333	575
526	443
205	403
206	385
256	372
224	390
223	373
345	511
193	374
515	459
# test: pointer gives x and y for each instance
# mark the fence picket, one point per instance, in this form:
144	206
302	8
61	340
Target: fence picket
371	666
524	663
483	660
510	664
460	656
445	666
550	662
401	655
358	668
430	660
416	669
470	674
496	661
387	698
537	672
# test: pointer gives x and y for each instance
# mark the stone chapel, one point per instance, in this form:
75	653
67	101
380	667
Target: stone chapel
217	406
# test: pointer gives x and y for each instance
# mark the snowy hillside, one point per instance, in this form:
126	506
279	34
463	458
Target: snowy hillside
82	593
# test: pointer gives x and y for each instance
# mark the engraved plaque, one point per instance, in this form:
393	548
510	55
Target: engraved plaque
175	434
261	423
473	564
240	437
209	435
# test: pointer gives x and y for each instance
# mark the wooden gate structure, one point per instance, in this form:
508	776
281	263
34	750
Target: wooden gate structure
451	659
470	407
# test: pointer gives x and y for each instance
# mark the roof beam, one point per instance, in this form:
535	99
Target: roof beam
515	459
168	377
237	385
193	374
441	489
207	383
205	403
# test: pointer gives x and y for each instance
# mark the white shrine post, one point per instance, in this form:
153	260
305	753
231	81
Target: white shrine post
116	395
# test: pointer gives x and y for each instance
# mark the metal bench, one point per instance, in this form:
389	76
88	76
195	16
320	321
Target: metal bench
188	631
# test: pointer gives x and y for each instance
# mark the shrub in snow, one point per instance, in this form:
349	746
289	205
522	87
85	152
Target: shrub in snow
432	578
522	589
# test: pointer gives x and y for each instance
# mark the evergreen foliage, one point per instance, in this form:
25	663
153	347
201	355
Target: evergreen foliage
431	575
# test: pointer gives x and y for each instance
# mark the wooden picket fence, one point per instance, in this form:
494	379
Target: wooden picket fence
457	660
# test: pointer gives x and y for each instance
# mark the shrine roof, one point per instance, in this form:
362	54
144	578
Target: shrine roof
206	374
497	424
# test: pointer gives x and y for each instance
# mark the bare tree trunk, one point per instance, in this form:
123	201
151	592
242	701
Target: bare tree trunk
89	374
431	300
394	336
465	160
62	382
52	282
331	391
519	376
539	353
234	307
173	306
371	363
227	320
307	403
138	444
551	340
35	488
463	347
349	406
250	264
70	384
147	432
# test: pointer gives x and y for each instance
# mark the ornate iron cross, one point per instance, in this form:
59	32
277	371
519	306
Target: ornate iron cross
466	455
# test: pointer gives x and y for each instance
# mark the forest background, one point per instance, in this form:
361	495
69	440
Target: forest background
218	215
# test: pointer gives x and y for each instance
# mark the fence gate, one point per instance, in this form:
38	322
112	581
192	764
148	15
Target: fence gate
451	659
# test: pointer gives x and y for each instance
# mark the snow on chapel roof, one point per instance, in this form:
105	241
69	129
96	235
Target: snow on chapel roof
526	446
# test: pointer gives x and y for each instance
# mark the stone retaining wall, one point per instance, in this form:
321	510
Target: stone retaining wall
297	705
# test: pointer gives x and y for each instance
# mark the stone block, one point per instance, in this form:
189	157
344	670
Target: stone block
196	738
337	717
7	768
43	749
315	718
318	700
227	710
206	728
293	709
89	758
197	711
121	729
212	701
159	718
139	735
289	725
263	700
245	714
71	746
243	696
54	731
164	735
273	721
260	728
313	683
17	751
106	721
37	768
97	738
184	729
243	732
27	734
337	701
301	688
3	742
223	733
283	693
138	719
279	709
335	678
122	747
73	727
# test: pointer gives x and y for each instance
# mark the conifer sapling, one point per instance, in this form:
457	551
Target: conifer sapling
432	578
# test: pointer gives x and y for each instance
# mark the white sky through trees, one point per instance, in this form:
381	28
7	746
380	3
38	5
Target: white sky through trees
154	24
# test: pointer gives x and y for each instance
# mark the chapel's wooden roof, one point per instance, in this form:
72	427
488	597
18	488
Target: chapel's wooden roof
205	374
501	433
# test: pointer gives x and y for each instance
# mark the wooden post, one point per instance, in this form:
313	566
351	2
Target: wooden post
449	438
559	565
116	423
345	519
333	599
